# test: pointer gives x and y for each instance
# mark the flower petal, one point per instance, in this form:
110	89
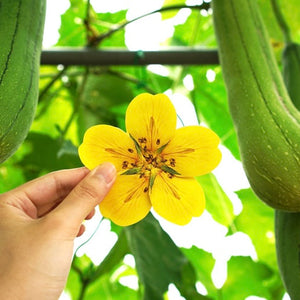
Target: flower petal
128	200
177	199
104	143
193	151
152	118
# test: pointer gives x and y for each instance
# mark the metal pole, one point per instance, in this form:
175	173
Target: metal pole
85	56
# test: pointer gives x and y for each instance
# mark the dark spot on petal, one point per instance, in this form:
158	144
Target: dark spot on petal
157	141
146	189
130	150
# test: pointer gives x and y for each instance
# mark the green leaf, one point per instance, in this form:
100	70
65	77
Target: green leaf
72	31
171	13
101	95
159	261
114	257
44	158
211	105
257	220
246	278
10	177
196	30
203	263
217	202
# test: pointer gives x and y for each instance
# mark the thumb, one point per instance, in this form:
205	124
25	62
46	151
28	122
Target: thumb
84	197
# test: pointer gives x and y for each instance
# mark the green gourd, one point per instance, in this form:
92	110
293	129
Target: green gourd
287	225
21	31
266	121
291	71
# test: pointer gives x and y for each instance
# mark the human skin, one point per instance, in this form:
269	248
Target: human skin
38	224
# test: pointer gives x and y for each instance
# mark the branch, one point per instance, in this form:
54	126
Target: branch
101	37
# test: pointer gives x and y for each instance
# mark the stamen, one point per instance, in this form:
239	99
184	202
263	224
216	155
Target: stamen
125	164
184	151
172	162
142	140
115	152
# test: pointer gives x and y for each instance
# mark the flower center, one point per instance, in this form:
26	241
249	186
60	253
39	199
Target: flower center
150	162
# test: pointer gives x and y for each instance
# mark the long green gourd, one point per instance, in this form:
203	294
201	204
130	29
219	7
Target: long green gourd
21	31
291	71
287	225
266	121
287	236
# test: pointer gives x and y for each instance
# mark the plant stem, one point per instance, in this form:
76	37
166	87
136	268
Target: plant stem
50	84
76	103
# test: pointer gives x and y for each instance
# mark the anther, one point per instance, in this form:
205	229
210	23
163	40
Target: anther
124	164
172	162
142	140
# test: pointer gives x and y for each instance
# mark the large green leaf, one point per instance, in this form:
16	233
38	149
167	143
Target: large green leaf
211	105
72	31
46	155
203	263
257	220
196	30
217	202
159	261
101	95
245	278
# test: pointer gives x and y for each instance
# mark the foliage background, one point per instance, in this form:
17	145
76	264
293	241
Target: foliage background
204	260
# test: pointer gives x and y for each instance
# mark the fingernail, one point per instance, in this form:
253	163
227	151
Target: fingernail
107	171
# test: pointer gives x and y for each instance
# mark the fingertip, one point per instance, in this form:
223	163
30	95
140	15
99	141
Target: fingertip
106	171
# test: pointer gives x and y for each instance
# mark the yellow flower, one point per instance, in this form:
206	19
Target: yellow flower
156	162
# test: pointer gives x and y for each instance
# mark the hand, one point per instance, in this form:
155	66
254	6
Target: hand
38	224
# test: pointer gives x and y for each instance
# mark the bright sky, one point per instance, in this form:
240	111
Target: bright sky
203	232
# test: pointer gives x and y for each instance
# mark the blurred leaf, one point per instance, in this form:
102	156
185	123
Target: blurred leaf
245	278
159	261
217	202
291	13
203	263
44	158
10	177
171	13
196	30
102	93
106	288
211	105
113	258
257	220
